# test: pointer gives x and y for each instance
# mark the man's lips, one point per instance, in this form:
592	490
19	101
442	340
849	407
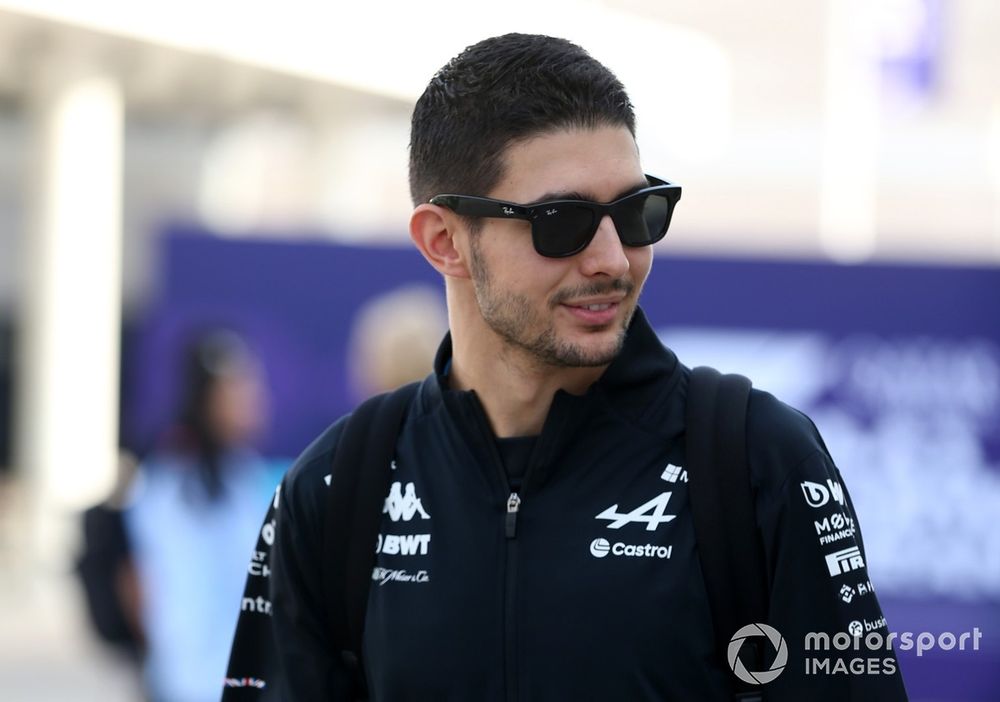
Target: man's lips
594	312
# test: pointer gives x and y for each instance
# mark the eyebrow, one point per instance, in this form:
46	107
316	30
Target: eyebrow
579	195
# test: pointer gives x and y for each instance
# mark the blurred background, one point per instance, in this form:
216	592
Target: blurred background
229	170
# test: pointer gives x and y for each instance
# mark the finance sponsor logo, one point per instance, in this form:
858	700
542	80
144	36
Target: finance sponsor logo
818	495
403	503
393	575
836	527
403	544
844	561
599	548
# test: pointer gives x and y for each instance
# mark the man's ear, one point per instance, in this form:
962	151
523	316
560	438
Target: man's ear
433	230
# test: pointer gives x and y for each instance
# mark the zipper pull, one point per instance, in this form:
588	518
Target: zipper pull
513	504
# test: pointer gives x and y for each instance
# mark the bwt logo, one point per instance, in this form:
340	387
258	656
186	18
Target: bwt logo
754	631
403	544
818	495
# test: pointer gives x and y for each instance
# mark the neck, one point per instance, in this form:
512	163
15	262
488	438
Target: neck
514	387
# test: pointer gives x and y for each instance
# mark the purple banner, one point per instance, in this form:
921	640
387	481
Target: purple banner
898	365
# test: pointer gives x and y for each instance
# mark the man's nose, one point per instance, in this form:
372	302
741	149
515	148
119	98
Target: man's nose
605	253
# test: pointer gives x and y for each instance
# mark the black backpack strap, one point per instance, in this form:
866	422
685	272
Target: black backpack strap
729	547
359	483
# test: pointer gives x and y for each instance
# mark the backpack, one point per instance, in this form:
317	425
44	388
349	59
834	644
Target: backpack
105	552
722	505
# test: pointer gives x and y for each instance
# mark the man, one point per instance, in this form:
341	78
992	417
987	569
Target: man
537	542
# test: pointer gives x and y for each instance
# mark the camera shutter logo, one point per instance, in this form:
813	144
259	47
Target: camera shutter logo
752	631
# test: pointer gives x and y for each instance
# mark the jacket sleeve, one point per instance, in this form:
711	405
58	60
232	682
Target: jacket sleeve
821	596
281	650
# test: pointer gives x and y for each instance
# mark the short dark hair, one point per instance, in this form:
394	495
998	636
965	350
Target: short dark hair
500	91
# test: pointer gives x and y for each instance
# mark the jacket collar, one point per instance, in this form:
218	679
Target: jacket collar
632	381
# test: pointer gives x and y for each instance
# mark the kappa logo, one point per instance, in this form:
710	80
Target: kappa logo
403	504
840	562
652	513
818	495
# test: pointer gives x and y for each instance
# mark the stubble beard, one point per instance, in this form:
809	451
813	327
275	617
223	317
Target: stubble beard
512	317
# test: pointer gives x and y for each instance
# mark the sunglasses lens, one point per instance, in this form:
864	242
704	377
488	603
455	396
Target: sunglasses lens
643	220
562	230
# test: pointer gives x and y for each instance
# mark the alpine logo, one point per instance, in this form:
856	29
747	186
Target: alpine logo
403	544
840	562
403	504
599	548
818	495
651	513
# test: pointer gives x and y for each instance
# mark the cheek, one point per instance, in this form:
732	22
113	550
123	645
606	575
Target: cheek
640	261
513	264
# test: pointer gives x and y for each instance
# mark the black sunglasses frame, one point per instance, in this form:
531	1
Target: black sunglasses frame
474	206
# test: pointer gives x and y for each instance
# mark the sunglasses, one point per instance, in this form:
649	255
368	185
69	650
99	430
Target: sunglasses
562	228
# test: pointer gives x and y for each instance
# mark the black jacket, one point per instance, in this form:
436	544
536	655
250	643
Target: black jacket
594	591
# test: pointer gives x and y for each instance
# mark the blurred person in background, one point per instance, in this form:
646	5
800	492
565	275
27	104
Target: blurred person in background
195	511
394	337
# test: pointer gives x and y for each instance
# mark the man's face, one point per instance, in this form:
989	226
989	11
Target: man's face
565	312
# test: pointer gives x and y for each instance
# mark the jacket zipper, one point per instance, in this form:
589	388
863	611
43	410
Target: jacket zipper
510	591
513	505
512	508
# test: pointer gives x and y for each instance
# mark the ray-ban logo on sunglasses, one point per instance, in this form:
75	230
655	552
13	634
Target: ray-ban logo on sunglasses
508	210
551	212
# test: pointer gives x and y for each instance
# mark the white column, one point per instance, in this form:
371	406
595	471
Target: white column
71	305
849	179
994	158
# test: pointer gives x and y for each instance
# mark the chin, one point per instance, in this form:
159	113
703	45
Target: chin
591	352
